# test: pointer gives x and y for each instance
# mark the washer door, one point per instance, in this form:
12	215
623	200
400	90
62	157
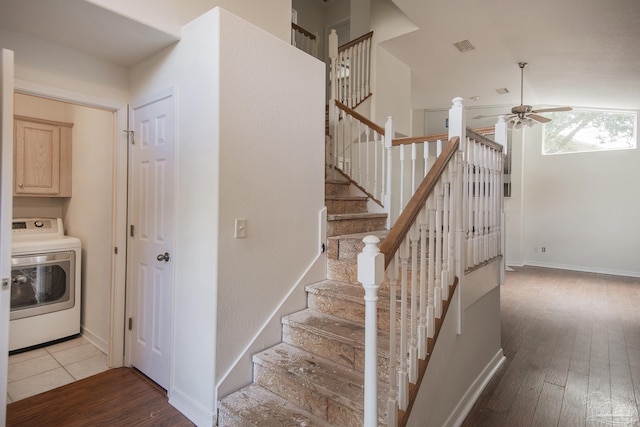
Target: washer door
42	283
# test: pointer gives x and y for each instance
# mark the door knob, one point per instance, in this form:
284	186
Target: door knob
163	257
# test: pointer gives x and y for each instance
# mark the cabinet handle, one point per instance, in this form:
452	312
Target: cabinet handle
20	185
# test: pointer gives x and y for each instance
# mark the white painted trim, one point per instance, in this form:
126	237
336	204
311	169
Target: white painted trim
465	405
119	109
581	268
198	414
98	342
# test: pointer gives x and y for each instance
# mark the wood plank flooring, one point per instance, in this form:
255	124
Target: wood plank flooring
572	343
117	397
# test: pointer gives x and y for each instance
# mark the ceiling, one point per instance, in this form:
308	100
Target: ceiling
582	53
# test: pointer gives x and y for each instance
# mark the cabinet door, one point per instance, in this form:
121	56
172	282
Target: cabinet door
37	159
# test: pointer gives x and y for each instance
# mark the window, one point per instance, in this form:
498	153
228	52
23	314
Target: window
581	131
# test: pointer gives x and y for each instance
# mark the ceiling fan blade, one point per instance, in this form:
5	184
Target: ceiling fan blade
550	110
539	119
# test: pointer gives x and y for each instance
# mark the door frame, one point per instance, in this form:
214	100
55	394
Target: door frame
115	355
141	101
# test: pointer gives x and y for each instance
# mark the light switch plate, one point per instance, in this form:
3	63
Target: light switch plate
241	228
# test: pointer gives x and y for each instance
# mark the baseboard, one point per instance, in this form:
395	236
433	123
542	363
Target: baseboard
197	414
465	405
584	269
95	340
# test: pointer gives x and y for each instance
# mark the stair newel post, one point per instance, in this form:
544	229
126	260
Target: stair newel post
392	405
387	173
501	138
371	274
460	179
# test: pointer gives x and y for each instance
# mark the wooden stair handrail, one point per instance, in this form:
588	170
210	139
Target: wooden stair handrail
403	224
478	134
356	41
360	117
299	29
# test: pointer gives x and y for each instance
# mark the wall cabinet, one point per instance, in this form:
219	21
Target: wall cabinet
42	157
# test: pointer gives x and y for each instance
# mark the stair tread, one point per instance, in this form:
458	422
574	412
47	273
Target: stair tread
337	382
258	406
359	215
336	328
381	234
347	291
347	198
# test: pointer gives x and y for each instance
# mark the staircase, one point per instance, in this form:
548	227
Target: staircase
315	376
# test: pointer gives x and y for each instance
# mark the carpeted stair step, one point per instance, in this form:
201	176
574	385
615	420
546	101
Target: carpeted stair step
336	339
345	204
334	187
324	388
256	406
351	223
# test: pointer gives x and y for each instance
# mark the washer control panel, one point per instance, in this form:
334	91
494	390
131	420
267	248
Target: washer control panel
37	226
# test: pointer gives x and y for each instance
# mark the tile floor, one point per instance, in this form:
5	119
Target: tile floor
45	368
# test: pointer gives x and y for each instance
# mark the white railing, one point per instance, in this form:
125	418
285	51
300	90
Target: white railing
350	69
304	40
359	149
454	215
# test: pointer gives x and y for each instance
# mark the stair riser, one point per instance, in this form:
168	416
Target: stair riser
288	386
345	206
334	189
352	226
351	356
348	310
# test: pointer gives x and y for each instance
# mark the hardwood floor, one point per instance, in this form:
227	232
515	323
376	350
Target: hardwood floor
572	343
117	397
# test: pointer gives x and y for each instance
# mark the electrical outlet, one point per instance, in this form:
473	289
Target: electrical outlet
241	228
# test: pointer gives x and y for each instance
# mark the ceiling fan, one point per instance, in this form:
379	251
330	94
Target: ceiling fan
525	114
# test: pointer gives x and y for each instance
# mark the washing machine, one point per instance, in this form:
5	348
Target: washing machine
45	283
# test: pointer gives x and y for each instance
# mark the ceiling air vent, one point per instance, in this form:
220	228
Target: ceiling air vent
502	90
464	46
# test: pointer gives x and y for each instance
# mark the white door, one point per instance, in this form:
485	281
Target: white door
151	235
6	213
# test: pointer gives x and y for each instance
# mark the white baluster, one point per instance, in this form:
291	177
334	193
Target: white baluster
453	213
403	376
438	280
425	156
371	274
402	175
367	175
414	157
445	236
431	206
375	166
413	348
392	402
387	174
422	328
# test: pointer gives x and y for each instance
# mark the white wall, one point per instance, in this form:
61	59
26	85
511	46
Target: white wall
582	208
87	214
461	365
246	148
170	16
48	64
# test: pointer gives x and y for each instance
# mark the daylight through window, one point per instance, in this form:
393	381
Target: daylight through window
579	131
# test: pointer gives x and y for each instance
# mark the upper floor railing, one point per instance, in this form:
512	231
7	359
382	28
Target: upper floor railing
350	69
304	40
